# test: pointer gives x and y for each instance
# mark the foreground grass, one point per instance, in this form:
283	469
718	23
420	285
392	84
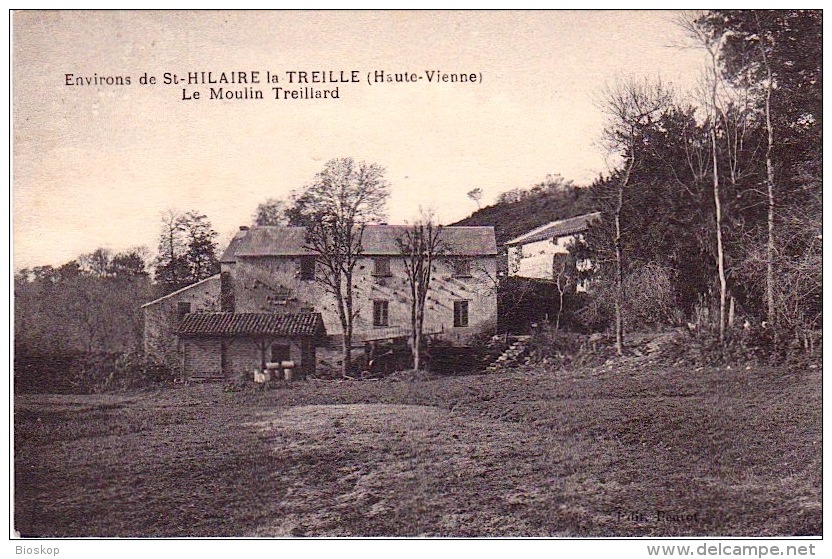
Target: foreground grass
596	453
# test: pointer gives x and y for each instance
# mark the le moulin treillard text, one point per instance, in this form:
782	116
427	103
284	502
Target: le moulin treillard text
280	86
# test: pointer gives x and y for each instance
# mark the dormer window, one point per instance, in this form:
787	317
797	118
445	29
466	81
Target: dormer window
381	267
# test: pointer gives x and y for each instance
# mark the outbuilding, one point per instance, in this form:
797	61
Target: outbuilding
216	345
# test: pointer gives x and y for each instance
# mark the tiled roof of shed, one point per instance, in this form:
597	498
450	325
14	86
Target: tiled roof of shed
559	228
377	240
226	323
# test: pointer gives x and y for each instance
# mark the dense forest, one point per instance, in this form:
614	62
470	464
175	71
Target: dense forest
714	215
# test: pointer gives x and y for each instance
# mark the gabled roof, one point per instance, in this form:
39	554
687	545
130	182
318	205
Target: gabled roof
272	241
215	277
560	228
377	240
252	324
228	255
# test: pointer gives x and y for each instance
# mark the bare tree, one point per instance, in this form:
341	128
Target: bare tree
476	196
335	208
631	105
771	248
712	42
420	245
96	262
563	271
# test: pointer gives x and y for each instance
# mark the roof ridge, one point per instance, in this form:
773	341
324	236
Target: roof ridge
578	226
180	290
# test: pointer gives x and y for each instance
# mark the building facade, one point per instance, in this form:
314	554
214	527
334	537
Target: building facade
536	254
163	316
268	272
268	269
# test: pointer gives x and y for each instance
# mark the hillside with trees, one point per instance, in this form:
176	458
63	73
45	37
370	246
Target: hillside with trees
713	216
519	210
78	326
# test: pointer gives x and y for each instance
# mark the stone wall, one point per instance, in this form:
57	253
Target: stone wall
274	284
161	319
203	356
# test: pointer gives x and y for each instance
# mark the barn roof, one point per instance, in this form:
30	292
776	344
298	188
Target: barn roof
252	324
377	240
559	228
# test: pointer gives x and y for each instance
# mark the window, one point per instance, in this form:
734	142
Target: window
381	267
182	308
307	268
460	314
280	352
462	268
381	313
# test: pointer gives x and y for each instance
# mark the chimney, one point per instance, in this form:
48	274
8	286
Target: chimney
243	227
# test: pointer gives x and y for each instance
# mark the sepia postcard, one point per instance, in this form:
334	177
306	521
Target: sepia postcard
551	277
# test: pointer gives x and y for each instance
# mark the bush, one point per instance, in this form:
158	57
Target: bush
649	302
567	349
84	373
742	345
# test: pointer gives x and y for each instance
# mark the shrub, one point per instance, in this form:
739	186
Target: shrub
649	301
83	373
567	349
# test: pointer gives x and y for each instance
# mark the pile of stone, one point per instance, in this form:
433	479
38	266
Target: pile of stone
511	357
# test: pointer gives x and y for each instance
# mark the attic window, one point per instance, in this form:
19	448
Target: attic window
462	268
381	267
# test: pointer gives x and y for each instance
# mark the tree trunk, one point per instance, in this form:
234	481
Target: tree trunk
619	266
771	247
560	309
417	350
346	328
414	324
723	287
346	348
770	244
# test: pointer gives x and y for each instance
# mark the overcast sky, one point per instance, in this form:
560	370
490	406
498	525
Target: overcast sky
97	165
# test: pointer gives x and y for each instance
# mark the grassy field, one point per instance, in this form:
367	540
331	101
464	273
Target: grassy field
615	451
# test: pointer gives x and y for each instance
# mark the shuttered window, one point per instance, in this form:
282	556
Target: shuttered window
460	314
381	313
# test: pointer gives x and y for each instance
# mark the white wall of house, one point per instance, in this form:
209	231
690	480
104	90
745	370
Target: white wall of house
534	260
258	280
